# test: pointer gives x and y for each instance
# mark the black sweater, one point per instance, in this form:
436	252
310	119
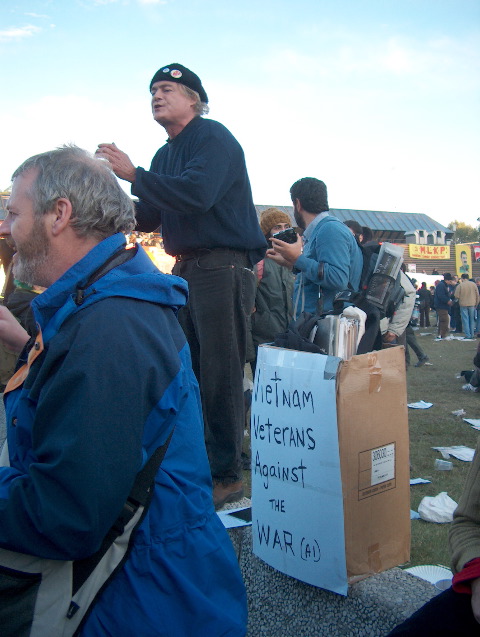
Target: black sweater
198	190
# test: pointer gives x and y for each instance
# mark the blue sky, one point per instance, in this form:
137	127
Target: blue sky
380	99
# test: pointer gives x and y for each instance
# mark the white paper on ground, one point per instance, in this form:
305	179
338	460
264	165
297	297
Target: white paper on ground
419	481
475	422
230	522
420	405
460	452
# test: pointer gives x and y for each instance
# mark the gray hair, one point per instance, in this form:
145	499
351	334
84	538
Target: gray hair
100	207
200	108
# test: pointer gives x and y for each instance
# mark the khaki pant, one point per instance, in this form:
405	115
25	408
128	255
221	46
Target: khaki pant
443	322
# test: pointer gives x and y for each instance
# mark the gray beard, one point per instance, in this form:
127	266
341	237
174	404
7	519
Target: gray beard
31	257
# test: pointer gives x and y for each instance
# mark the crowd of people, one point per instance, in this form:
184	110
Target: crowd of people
117	456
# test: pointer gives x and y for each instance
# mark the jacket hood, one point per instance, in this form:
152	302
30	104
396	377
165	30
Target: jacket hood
137	278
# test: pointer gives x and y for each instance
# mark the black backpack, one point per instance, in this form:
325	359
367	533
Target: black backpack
372	288
376	290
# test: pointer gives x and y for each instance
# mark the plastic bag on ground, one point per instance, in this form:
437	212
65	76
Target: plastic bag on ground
438	508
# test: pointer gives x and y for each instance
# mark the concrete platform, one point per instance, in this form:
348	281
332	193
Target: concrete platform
281	606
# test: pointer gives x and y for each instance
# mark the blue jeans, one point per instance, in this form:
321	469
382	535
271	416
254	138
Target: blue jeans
468	320
221	297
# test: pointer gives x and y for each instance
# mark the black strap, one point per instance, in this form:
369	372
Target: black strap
140	495
121	256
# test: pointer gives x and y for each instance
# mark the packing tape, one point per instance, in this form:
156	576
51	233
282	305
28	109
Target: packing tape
375	373
331	367
374	559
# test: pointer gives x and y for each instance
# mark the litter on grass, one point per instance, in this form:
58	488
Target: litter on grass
438	508
459	412
474	422
431	573
460	452
443	465
419	481
420	405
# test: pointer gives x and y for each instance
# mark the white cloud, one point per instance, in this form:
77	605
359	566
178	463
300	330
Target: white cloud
63	119
441	61
437	62
368	162
105	2
36	15
398	58
17	33
368	158
126	2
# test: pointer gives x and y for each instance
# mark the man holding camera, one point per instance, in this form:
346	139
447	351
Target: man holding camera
330	261
198	191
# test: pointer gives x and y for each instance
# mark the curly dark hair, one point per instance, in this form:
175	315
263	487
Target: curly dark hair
312	194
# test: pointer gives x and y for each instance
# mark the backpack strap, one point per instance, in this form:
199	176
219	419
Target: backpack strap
120	256
140	495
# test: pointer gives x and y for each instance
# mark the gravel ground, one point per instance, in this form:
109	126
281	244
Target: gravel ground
285	607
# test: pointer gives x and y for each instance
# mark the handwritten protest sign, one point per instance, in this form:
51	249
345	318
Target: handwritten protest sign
297	504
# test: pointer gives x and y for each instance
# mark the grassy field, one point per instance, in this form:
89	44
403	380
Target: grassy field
437	426
436	383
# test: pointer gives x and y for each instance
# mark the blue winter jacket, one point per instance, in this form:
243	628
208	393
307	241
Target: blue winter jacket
329	243
114	378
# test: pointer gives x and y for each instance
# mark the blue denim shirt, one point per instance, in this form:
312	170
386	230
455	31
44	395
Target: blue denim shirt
329	242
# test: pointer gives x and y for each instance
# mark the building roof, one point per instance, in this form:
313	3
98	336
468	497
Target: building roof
394	224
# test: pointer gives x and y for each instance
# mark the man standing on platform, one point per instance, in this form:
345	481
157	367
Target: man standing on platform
198	191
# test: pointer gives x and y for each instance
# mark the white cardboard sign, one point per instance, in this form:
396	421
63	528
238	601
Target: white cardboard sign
297	502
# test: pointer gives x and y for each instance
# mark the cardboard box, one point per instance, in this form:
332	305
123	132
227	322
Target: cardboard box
373	438
330	465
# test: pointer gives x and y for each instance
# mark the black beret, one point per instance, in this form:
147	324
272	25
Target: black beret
178	73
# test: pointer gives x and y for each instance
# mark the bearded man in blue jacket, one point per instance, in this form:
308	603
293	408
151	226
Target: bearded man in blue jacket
327	259
107	379
198	191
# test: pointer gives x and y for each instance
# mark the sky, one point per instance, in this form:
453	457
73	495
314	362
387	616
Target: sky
378	98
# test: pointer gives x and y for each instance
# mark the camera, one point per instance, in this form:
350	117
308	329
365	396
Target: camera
289	235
